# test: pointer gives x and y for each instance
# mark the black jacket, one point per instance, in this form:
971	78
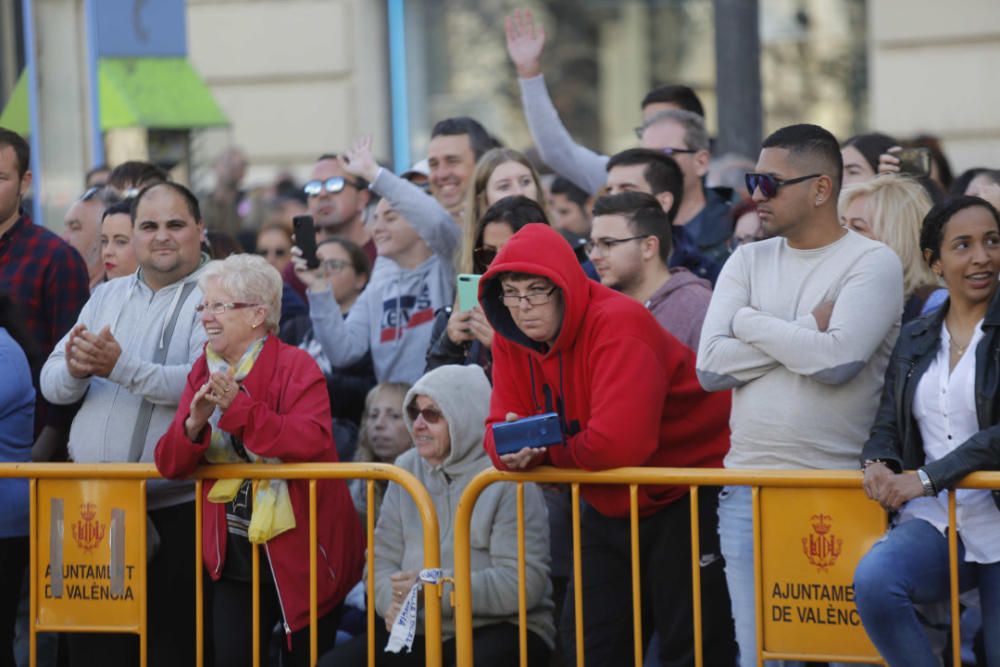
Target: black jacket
895	437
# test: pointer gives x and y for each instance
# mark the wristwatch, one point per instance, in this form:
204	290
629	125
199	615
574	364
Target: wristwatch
926	481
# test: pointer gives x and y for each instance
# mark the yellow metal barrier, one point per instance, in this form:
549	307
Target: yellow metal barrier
693	478
310	471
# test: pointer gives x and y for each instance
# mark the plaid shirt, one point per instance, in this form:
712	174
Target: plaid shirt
47	279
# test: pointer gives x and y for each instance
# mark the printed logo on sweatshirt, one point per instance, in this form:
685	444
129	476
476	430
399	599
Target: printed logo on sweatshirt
405	312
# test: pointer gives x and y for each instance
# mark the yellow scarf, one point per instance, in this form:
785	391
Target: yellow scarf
272	505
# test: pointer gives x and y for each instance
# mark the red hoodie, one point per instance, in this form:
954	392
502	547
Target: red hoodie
282	411
625	389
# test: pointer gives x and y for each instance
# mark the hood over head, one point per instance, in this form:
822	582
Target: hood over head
539	250
462	393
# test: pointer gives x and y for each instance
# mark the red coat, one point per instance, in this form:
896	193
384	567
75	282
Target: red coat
284	412
624	387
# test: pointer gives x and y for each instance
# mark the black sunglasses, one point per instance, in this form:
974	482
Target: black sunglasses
768	184
430	415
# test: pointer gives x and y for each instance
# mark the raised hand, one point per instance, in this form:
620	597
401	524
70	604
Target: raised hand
525	42
359	161
202	408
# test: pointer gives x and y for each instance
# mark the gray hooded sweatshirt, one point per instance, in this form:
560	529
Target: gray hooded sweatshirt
102	430
394	316
462	393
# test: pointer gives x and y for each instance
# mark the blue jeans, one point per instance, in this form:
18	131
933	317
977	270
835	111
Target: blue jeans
911	566
736	542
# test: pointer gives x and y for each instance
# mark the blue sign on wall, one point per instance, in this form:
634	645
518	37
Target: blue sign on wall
141	28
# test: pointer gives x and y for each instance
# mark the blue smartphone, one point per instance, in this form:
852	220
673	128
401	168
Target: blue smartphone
468	291
538	431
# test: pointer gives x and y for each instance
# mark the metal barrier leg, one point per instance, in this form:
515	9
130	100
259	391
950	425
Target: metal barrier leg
758	583
577	575
370	558
633	496
956	629
696	576
522	596
313	625
199	582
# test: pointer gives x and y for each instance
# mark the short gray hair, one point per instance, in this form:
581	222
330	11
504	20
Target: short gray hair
248	278
695	134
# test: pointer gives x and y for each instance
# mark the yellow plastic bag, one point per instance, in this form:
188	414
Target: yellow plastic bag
272	512
224	490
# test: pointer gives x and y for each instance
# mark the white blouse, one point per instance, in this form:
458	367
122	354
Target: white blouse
945	410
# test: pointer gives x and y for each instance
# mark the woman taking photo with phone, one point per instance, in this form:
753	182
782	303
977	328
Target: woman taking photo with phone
464	336
939	420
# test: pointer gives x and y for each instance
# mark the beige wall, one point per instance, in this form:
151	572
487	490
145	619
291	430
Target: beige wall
296	78
931	70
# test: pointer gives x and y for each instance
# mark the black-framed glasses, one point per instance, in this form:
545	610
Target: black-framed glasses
218	307
604	246
334	265
430	415
330	185
769	185
513	300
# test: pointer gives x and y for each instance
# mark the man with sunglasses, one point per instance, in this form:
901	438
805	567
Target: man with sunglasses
337	202
626	394
800	328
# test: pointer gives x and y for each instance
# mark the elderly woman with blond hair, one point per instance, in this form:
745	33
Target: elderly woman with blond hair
891	209
252	398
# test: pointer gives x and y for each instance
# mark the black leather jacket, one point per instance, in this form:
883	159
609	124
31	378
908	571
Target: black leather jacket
895	437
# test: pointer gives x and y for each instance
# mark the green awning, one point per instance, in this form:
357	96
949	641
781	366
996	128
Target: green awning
155	93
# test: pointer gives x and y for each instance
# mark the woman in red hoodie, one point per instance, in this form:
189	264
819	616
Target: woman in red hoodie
626	394
249	398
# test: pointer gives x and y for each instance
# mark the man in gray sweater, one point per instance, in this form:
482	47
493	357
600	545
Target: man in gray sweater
800	327
128	358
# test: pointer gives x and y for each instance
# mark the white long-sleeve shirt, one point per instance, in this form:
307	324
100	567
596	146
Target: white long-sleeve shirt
944	406
802	398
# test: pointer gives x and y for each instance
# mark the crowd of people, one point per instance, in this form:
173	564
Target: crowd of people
840	312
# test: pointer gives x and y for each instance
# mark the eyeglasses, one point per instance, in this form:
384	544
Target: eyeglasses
218	307
335	265
604	246
277	252
768	184
330	185
485	255
513	300
430	415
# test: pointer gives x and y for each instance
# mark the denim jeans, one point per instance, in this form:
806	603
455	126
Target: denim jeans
910	565
736	541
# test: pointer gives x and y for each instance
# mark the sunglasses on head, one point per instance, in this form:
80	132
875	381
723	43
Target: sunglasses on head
484	255
768	184
330	185
277	252
430	415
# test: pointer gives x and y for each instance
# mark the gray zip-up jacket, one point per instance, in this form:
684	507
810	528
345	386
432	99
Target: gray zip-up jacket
102	430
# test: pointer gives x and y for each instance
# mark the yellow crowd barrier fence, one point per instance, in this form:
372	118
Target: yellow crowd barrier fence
810	530
110	500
